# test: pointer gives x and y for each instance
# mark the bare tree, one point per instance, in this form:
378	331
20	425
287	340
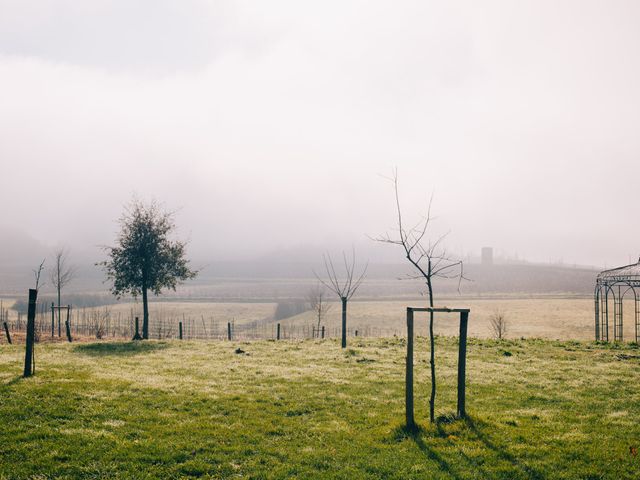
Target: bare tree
499	324
344	287
318	303
429	260
38	273
61	275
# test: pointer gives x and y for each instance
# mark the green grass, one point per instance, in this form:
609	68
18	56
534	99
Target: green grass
538	409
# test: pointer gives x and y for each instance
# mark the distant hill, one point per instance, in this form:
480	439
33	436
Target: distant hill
270	280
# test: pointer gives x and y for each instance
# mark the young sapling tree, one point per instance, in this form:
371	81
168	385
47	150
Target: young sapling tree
429	260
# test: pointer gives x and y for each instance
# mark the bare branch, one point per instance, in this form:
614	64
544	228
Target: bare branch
359	281
344	287
430	260
38	272
61	273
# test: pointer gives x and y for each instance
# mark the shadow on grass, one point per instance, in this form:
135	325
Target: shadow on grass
123	349
11	382
416	434
476	429
7	387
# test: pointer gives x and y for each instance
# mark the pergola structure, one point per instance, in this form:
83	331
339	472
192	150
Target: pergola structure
614	284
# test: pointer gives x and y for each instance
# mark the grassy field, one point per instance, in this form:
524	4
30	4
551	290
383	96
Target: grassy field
557	318
307	409
552	318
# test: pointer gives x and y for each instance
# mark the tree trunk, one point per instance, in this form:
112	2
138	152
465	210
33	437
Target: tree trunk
136	336
432	356
145	314
344	322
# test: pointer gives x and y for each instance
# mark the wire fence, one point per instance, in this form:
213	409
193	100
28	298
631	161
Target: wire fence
103	323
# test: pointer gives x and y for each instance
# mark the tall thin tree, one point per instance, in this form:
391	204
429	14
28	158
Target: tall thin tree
318	304
61	275
344	286
429	260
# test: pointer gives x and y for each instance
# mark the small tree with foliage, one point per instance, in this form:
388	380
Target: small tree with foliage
145	258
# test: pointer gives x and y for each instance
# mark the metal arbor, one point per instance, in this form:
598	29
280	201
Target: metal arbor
616	283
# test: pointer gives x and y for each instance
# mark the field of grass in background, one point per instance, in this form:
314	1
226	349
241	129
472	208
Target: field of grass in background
307	409
557	317
544	317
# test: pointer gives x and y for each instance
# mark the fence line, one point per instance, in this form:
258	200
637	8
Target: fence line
103	323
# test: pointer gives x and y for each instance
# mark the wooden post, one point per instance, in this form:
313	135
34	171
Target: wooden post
597	307
137	336
67	327
6	330
409	372
180	329
31	333
344	322
462	363
53	321
322	331
228	330
278	332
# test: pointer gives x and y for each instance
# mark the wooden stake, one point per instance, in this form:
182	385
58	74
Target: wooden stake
31	333
6	330
462	363
409	372
344	322
68	330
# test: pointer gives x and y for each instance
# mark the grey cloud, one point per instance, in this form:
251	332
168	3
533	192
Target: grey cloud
126	35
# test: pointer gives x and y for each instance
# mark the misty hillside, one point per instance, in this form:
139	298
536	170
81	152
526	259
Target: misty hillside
254	281
268	281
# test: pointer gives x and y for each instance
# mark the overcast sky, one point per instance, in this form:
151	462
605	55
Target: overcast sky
271	125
